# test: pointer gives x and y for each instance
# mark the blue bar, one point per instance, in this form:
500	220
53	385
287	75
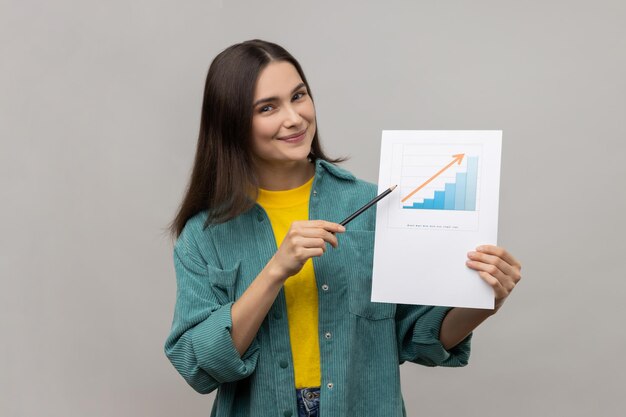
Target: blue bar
449	200
414	206
428	203
439	199
459	196
472	180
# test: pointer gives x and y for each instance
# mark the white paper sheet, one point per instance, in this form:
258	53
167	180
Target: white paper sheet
446	205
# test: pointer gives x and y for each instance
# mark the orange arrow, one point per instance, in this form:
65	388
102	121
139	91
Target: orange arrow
457	158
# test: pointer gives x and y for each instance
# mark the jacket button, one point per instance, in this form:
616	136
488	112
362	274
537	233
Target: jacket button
330	385
288	413
325	287
328	335
283	364
259	217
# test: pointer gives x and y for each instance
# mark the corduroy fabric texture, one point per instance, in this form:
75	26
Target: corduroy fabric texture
361	343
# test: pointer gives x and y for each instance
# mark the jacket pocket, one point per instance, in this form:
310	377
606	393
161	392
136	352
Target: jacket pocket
223	282
358	247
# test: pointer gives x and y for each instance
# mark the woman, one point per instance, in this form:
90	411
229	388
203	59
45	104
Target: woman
273	309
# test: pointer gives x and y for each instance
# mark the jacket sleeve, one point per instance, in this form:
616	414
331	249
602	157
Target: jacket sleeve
417	330
200	345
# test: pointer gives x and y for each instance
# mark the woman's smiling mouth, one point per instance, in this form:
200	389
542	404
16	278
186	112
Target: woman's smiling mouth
296	137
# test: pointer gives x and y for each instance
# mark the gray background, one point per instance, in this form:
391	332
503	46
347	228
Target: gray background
100	105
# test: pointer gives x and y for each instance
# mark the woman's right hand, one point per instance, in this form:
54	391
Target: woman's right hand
304	240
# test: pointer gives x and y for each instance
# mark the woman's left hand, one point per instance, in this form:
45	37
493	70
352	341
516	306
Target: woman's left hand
498	268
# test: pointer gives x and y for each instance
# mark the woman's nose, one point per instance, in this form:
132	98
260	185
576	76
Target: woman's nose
292	116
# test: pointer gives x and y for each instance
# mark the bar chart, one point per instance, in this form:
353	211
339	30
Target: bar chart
440	184
457	195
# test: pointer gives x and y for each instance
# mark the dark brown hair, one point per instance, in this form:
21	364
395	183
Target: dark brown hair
223	180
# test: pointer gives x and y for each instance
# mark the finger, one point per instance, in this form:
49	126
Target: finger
314	252
507	282
498	290
302	254
320	233
501	253
323	224
493	260
308	242
488	268
308	229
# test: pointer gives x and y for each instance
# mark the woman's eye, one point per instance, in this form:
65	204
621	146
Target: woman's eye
299	95
265	109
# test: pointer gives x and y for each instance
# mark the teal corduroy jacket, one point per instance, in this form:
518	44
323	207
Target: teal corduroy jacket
361	343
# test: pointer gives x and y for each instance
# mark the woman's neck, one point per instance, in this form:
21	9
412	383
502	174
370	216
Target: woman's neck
284	176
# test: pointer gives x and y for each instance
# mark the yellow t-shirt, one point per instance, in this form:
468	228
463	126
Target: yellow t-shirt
283	208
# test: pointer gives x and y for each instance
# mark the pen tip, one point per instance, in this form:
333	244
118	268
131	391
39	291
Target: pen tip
393	187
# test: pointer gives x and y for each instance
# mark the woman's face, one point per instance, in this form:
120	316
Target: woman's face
283	121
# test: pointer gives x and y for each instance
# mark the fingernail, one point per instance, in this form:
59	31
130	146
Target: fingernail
341	228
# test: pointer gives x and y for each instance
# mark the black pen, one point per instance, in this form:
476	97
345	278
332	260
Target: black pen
368	205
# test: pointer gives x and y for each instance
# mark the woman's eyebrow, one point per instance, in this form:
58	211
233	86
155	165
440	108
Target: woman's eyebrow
265	100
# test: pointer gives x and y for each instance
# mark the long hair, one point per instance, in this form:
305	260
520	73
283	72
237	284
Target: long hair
223	179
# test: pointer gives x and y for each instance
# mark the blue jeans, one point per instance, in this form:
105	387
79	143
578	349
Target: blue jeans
308	402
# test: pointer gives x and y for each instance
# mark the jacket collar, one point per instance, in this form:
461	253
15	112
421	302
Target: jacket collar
321	166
